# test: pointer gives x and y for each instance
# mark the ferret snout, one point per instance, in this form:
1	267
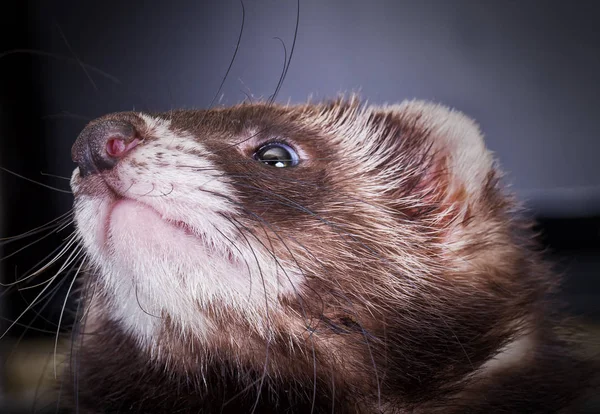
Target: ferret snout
102	144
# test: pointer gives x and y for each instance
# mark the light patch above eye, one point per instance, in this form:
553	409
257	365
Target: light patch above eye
277	154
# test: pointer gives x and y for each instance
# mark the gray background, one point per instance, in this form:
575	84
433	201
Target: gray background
526	70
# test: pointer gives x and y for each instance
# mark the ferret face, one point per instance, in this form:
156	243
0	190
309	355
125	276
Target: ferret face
358	237
167	222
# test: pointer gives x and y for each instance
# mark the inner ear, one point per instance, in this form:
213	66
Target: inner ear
442	159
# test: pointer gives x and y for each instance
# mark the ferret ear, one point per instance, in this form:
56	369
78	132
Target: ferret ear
418	155
443	155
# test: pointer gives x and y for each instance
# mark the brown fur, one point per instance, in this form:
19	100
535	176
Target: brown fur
407	292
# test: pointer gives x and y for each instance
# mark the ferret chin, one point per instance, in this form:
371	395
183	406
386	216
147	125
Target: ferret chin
317	258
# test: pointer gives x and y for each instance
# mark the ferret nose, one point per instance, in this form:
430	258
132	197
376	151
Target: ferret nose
102	144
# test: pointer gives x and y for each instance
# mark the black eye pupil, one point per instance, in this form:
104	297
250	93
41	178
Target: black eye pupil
277	155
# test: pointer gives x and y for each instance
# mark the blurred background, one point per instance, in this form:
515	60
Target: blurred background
527	71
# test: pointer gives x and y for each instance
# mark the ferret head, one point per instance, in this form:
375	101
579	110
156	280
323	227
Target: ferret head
368	248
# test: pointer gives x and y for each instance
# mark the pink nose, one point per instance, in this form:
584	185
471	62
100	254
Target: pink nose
116	146
102	144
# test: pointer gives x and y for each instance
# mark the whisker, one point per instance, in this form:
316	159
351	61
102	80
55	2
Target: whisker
31	244
268	341
27	326
35	182
48	297
77	334
248	97
231	61
67	263
458	341
40	228
280	81
140	305
89	295
300	301
38	386
363	331
293	204
79	62
51	228
276	260
272	228
143	195
59	57
235	52
303	312
252	161
240	252
289	61
235	144
148	194
314	396
55	176
268	320
64	246
63	310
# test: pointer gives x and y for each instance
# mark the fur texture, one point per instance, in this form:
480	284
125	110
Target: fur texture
386	272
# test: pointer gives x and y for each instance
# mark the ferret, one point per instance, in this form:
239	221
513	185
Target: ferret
316	258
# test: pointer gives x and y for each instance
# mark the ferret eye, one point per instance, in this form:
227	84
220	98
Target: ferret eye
277	155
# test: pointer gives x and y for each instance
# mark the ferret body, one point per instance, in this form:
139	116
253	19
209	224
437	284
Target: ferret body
327	257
